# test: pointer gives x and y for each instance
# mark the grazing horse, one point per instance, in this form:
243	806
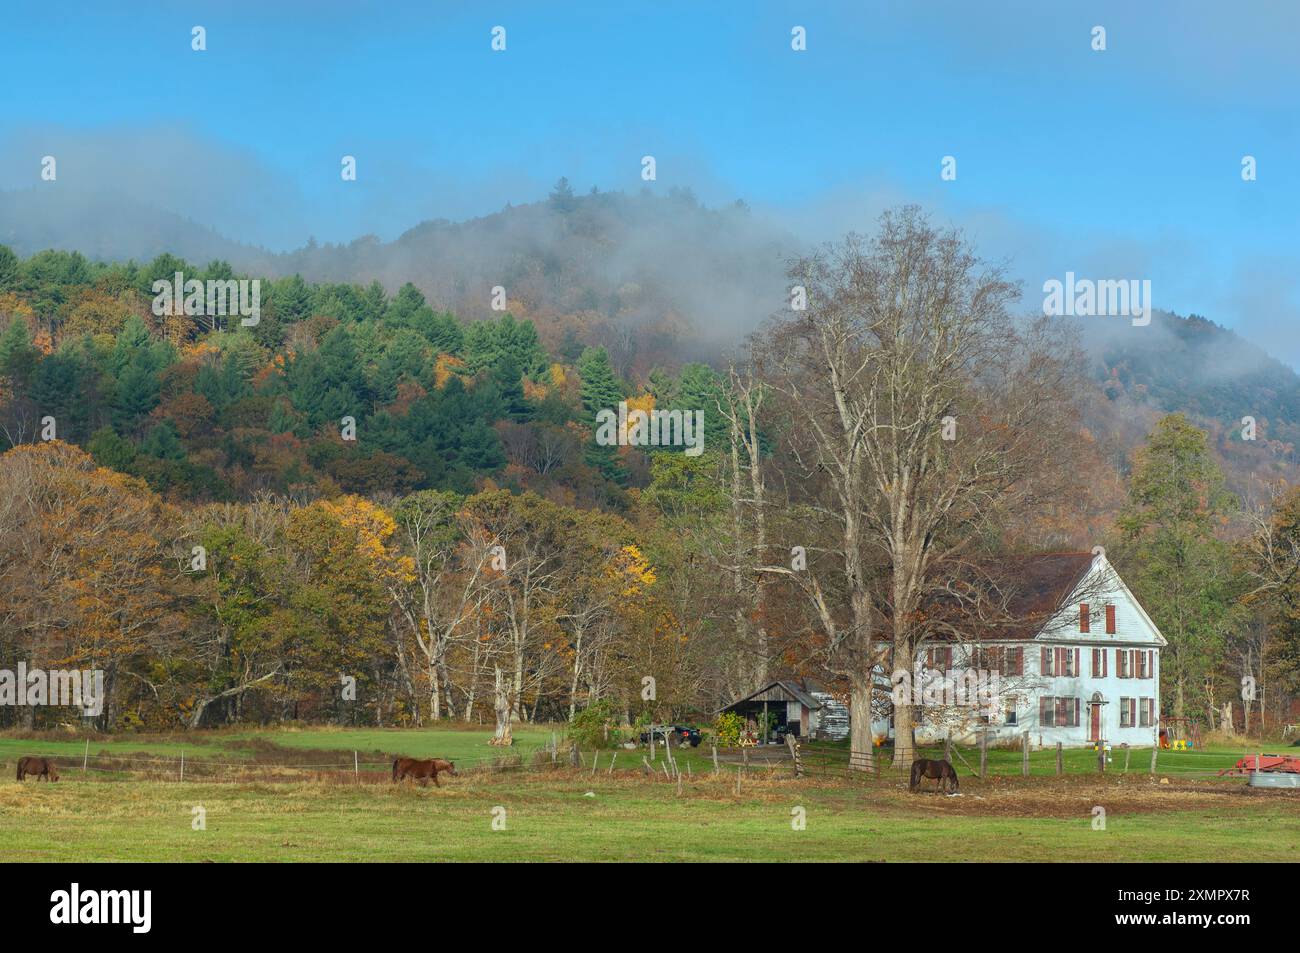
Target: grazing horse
940	771
422	770
41	767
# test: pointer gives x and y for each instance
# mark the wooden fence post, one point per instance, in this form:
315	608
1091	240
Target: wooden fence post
984	753
795	756
715	761
1024	759
182	764
1101	756
1060	767
611	764
1155	748
947	748
85	757
356	767
1127	751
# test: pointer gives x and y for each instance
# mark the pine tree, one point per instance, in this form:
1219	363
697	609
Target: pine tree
600	390
1171	557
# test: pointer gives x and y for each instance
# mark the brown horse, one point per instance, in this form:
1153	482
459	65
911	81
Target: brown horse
41	767
422	770
940	771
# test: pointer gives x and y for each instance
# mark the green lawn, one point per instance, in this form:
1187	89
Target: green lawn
264	801
548	818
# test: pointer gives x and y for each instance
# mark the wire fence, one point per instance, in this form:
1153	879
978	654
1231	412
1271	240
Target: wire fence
813	759
831	760
181	766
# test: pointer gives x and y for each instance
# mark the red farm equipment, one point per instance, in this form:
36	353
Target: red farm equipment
1269	770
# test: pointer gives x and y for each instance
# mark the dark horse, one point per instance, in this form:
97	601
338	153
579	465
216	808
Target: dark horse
422	770
41	767
940	771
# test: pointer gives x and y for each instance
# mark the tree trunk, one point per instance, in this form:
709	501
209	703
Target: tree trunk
904	730
435	693
863	755
502	703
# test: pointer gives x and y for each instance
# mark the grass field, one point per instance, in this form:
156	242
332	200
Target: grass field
129	810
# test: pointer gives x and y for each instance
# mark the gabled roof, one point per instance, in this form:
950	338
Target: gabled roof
779	691
1037	587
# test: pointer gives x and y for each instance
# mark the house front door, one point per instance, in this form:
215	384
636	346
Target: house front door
1095	735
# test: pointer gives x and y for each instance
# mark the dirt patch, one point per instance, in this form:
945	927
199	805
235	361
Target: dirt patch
1068	796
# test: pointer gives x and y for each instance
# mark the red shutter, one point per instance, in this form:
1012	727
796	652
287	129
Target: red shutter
1078	663
1083	617
1151	664
1076	713
1110	620
1105	663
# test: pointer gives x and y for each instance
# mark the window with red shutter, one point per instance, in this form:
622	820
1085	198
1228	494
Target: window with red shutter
1045	711
1016	661
1046	668
1083	617
1110	619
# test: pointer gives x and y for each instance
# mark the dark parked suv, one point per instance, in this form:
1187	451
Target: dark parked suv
682	734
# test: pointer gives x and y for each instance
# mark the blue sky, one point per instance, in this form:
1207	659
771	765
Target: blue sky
1123	163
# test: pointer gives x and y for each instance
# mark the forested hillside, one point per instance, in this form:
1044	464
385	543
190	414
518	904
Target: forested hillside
204	414
224	518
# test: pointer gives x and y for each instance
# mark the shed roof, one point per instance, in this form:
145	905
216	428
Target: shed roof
779	691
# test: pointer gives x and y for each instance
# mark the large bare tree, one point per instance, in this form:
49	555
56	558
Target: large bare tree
923	416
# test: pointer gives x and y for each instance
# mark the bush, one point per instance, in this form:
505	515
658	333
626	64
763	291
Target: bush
596	726
727	727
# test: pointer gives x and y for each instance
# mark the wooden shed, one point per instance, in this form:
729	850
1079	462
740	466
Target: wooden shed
796	711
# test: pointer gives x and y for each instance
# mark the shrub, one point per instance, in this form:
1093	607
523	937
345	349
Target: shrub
596	726
727	727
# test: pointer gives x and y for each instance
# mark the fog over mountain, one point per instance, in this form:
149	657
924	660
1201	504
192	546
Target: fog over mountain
657	279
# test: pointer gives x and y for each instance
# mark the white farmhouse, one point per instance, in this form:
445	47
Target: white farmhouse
1084	667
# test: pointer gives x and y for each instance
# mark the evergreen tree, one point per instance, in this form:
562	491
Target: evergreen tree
8	268
600	390
1171	557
